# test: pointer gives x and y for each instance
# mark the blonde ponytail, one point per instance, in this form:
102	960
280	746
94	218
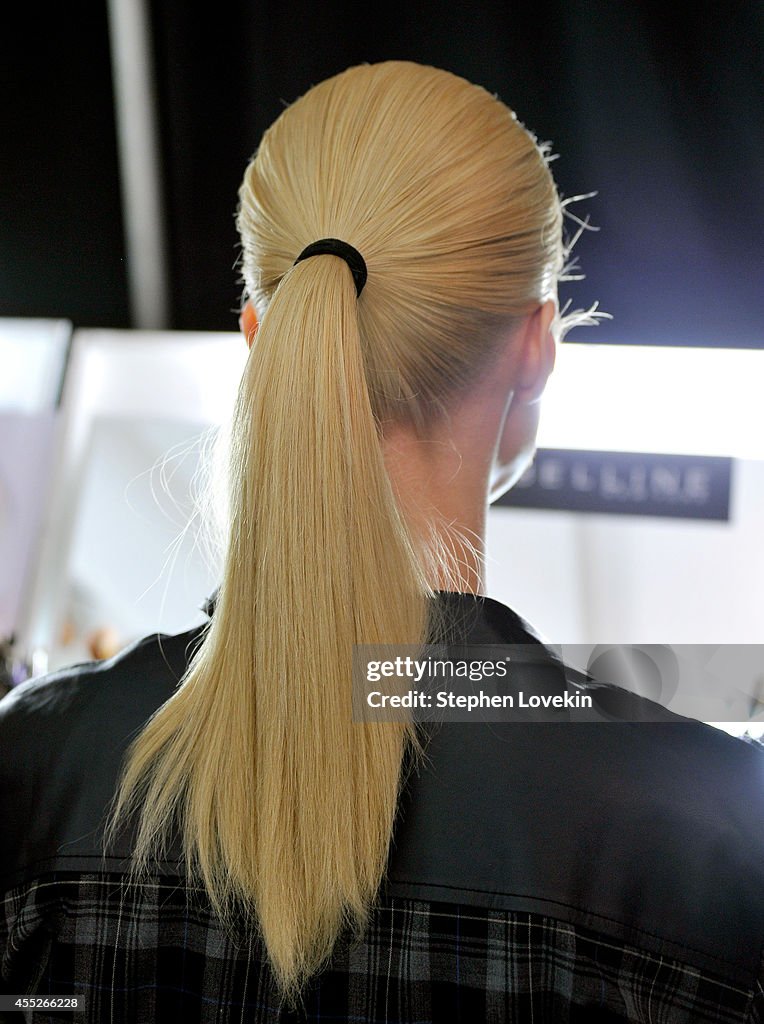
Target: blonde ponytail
284	804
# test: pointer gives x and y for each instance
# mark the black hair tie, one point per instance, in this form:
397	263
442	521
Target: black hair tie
335	247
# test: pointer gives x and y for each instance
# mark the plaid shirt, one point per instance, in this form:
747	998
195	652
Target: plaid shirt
155	952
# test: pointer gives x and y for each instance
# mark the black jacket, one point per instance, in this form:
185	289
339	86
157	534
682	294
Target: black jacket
647	833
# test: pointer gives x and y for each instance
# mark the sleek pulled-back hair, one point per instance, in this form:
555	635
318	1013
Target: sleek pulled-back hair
284	805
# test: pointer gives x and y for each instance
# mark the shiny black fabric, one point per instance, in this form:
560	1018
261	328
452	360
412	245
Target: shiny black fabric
559	870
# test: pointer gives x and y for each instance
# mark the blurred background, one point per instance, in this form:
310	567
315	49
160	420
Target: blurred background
114	110
127	128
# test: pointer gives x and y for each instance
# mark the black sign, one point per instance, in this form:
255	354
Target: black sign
626	483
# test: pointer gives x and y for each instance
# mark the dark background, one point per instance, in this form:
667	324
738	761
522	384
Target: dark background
660	112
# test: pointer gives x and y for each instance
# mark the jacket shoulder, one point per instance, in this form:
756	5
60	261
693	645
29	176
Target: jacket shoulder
63	737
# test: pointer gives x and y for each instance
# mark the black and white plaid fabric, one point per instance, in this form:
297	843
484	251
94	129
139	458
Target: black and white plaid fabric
155	953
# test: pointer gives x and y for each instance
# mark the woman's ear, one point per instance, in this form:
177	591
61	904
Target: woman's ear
248	322
539	349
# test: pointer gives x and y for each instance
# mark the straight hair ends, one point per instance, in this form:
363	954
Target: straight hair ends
284	807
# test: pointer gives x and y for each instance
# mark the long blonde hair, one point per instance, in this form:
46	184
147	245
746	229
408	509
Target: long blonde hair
284	805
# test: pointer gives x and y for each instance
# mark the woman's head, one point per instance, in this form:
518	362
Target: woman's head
286	803
447	196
